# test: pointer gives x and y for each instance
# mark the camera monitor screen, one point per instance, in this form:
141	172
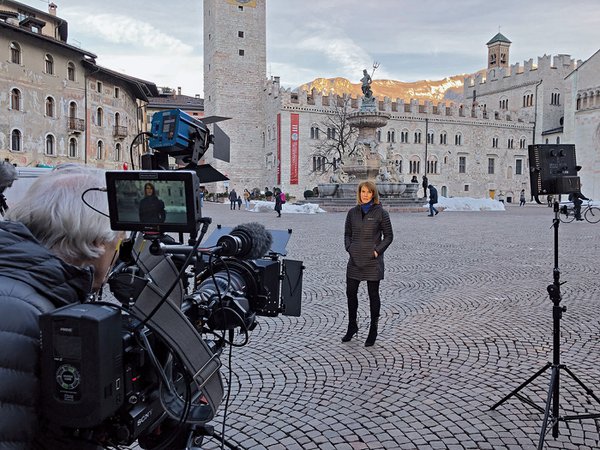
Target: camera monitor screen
158	200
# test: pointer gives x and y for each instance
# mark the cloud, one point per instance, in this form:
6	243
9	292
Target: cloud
164	70
128	31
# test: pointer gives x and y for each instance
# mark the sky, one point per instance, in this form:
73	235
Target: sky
161	42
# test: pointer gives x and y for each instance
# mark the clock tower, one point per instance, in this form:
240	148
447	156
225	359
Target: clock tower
498	48
234	85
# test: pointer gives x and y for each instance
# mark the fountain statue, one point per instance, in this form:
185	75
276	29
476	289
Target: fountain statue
369	161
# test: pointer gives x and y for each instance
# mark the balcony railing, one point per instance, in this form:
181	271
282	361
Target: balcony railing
76	124
119	131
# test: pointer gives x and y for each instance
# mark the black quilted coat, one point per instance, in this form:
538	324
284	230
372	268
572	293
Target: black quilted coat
32	281
364	233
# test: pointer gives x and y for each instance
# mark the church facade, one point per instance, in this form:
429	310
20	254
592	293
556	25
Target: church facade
475	149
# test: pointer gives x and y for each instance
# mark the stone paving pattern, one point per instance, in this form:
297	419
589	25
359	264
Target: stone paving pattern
465	319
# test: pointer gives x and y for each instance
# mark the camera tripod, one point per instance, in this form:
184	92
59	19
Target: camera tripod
552	415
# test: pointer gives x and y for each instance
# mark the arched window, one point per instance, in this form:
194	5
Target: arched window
118	152
418	137
49	107
15	141
50	145
71	71
99	150
72	110
443	138
398	164
404	136
522	143
430	137
15	99
15	53
99	117
391	136
414	165
314	132
49	60
72	148
458	139
432	164
117	119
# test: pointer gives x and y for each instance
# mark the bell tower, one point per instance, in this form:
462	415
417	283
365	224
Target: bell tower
498	51
235	77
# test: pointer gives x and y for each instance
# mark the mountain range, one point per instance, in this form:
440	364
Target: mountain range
449	89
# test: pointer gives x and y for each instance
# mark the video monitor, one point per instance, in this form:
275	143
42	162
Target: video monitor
153	201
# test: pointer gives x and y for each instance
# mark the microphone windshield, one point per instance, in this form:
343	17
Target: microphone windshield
256	240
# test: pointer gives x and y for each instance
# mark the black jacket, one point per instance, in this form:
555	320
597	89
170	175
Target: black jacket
362	235
32	282
433	196
152	210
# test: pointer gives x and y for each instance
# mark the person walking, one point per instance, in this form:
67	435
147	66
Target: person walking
522	198
232	199
246	199
367	234
433	199
278	203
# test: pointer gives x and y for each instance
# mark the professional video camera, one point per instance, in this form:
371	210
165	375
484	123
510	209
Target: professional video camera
148	369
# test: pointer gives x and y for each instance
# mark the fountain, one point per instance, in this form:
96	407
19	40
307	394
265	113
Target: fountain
369	160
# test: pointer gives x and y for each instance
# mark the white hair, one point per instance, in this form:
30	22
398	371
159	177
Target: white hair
54	212
8	174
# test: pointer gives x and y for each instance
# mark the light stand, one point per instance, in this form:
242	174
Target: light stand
552	415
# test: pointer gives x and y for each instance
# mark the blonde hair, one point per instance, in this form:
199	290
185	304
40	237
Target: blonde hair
372	188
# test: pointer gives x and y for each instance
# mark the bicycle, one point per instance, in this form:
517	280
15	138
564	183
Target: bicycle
589	212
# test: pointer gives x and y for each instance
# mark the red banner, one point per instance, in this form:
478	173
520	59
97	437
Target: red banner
278	161
294	142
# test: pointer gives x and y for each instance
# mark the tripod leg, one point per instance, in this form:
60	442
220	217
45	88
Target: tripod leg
525	383
551	392
587	390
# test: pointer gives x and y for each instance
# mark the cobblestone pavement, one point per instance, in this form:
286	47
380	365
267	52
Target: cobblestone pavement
465	319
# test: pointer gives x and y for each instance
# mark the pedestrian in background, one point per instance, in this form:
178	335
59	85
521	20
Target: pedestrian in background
425	183
246	198
577	199
232	199
278	204
522	198
433	199
367	234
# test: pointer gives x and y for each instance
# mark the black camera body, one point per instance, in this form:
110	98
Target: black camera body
113	374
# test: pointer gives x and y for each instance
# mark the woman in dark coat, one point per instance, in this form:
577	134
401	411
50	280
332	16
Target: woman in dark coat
152	209
367	234
278	204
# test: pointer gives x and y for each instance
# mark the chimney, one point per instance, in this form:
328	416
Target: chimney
52	9
179	90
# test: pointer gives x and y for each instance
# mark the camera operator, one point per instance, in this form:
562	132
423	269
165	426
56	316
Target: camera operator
54	250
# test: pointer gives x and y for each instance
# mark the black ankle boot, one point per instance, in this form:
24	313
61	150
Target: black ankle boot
352	330
372	334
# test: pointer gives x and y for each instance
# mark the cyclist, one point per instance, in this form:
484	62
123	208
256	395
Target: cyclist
577	199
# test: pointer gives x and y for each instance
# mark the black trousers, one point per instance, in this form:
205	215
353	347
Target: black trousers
352	294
